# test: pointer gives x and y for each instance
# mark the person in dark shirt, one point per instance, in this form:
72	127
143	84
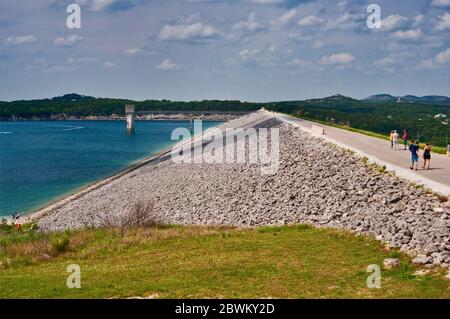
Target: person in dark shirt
426	157
414	149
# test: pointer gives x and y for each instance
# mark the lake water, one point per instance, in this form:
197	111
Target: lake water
42	161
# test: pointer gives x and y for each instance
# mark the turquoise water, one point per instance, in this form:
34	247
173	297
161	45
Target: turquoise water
42	161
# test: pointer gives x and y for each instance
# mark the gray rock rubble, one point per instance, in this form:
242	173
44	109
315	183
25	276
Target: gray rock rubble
317	183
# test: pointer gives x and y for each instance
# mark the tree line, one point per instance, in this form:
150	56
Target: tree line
380	117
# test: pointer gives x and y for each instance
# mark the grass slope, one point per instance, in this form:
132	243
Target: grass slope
207	262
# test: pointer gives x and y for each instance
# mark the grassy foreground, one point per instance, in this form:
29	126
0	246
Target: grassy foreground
206	262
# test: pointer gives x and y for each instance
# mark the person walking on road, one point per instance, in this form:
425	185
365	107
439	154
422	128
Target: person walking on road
426	156
391	138
395	137
414	149
405	138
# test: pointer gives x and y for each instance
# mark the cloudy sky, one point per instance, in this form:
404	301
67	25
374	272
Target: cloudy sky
254	50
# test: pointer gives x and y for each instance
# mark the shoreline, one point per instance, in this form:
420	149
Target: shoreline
38	214
106	120
42	210
317	183
157	116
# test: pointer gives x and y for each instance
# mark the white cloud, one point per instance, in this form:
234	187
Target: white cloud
133	52
187	19
268	55
69	41
413	34
385	62
186	32
300	37
443	57
440	3
284	19
267	1
393	21
59	69
310	21
81	60
418	19
22	39
338	58
109	65
443	23
247	54
425	65
300	63
347	21
96	5
168	65
250	25
317	44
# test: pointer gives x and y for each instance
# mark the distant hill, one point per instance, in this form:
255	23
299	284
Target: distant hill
337	98
424	117
72	97
428	99
80	105
381	98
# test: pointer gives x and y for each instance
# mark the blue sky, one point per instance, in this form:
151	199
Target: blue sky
254	50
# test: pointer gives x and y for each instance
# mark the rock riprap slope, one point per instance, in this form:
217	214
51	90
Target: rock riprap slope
317	183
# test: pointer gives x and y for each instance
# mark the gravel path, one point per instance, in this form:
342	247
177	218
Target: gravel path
317	183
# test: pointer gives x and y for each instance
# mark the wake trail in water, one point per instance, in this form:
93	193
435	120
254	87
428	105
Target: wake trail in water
71	128
5	132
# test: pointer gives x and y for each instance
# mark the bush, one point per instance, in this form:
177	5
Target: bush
382	169
141	214
60	244
365	160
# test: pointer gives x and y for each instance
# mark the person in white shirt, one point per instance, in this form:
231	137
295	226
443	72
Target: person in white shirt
395	137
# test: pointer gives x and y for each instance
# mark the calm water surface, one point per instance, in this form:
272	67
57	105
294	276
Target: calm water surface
42	161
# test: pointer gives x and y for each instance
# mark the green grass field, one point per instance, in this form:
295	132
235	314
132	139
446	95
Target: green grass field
206	262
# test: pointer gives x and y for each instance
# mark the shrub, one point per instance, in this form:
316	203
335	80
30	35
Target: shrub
141	214
60	244
394	254
382	169
365	160
442	198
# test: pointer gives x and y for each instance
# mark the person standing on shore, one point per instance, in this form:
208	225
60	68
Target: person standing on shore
405	138
426	156
414	149
391	138
15	216
395	137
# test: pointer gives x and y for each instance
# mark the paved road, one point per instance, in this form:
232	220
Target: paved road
437	178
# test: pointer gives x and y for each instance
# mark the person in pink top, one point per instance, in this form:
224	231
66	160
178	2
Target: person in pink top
405	138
